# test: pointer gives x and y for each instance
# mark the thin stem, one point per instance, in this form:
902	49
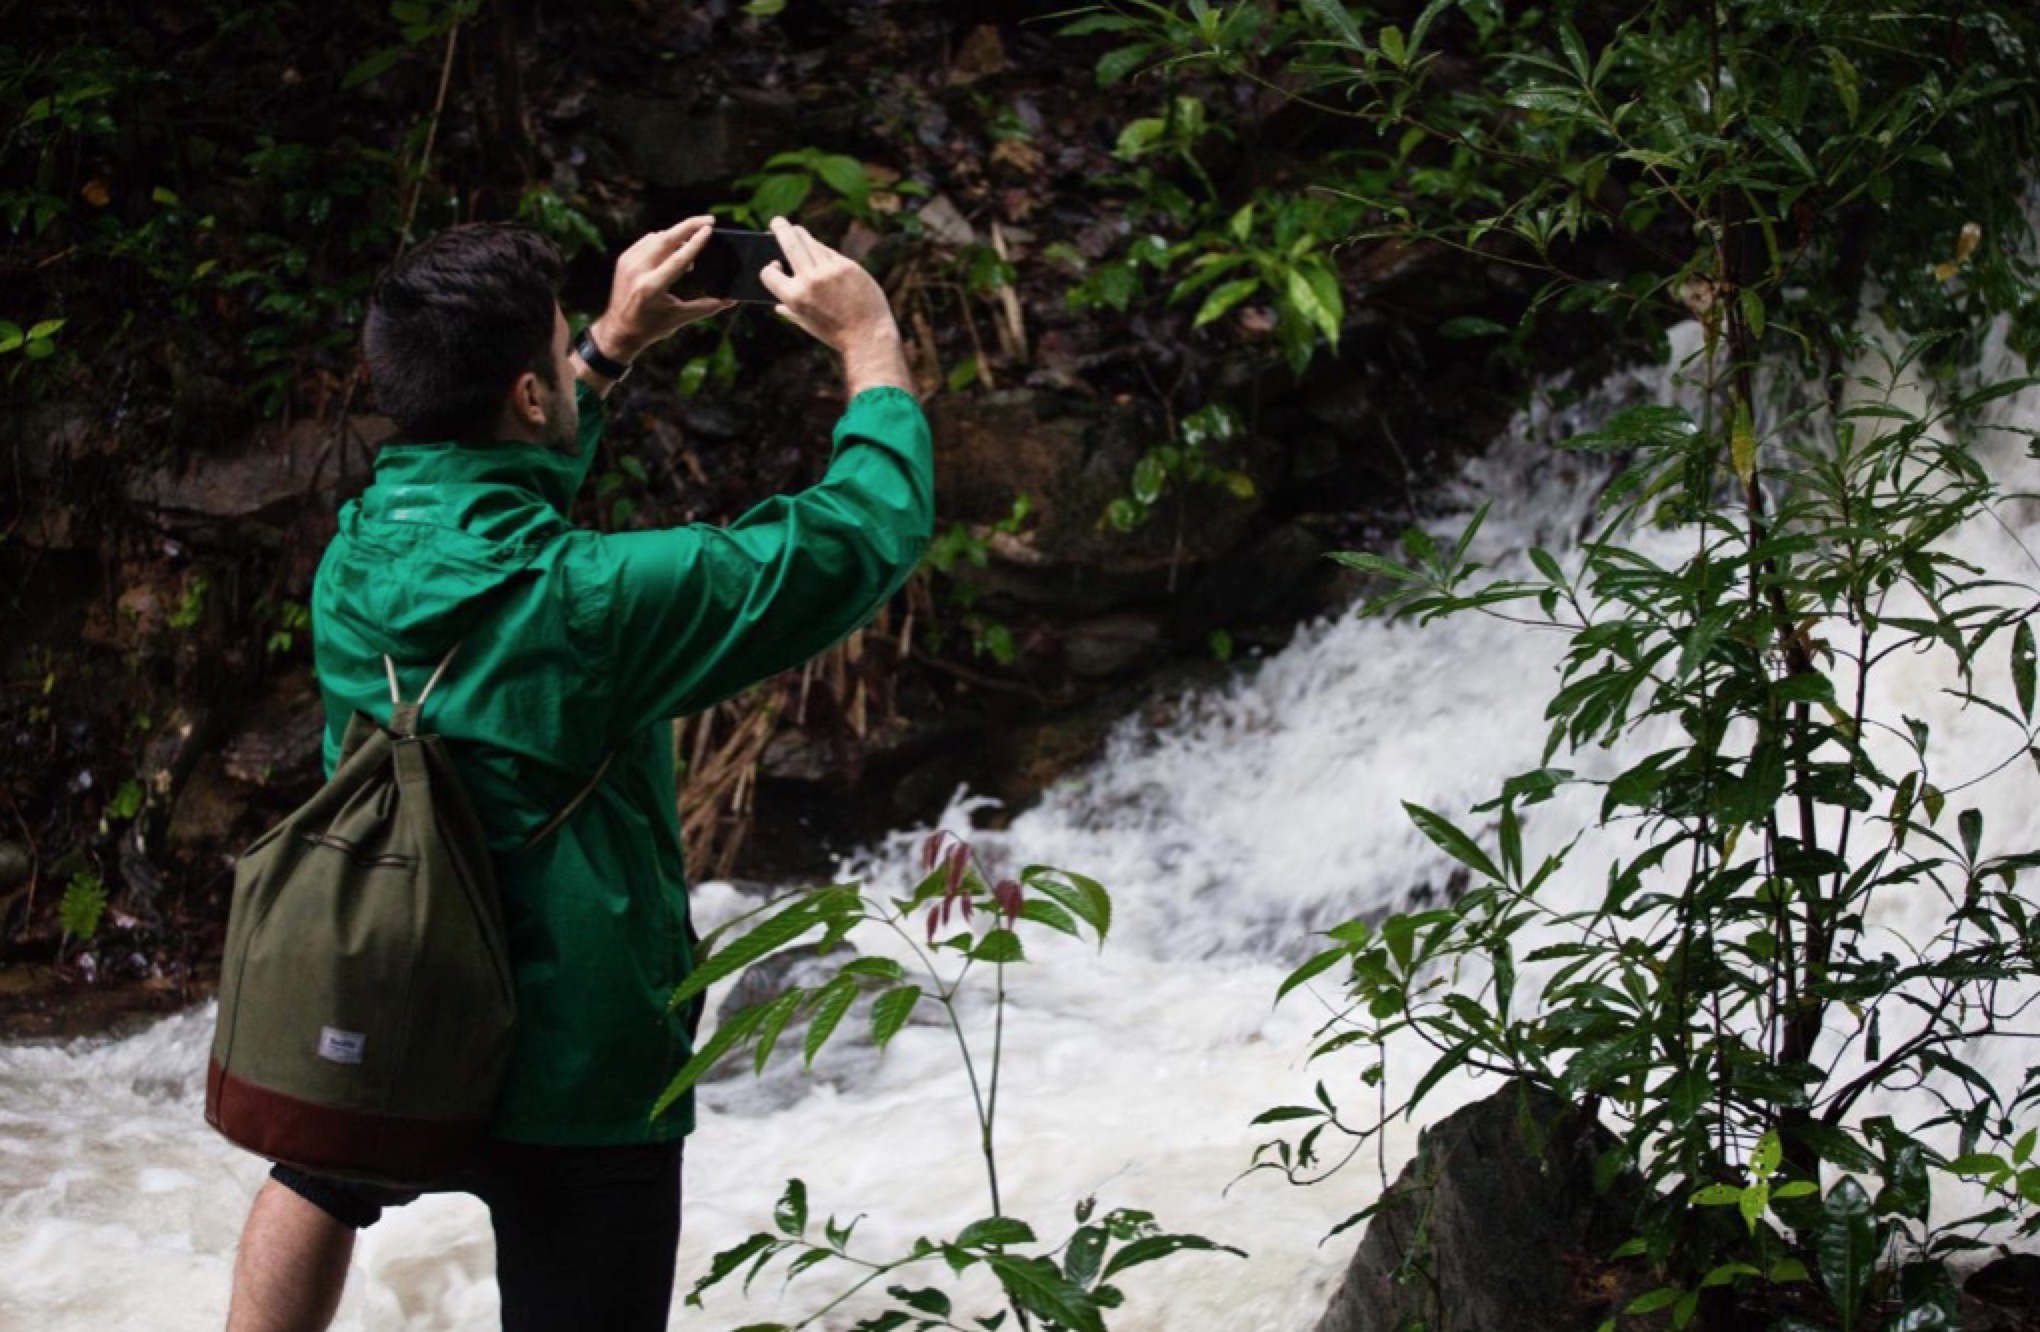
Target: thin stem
431	134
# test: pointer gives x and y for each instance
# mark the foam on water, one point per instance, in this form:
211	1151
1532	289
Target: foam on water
1260	812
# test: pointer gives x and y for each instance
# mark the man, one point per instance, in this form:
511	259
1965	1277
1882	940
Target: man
576	647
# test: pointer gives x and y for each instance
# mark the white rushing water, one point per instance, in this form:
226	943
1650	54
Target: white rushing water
1257	813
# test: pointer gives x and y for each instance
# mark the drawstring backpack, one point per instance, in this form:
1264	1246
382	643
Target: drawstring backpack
366	1005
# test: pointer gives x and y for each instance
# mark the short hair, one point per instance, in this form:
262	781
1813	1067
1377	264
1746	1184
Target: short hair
453	322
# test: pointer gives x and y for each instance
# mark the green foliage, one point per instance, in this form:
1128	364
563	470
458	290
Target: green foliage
1066	1286
1193	459
559	221
82	906
965	544
1730	998
790	178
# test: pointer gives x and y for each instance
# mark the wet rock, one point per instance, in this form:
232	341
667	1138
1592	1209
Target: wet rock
1483	1230
279	741
2003	1295
1112	645
15	864
1072	456
259	493
1275	578
682	143
206	811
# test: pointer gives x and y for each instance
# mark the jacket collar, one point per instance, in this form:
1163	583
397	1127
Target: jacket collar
553	475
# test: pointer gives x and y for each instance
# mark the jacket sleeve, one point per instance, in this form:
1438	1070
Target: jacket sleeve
698	613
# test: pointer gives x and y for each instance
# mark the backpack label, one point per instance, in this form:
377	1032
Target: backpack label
342	1047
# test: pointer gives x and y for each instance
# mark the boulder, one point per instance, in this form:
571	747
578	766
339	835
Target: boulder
262	491
1484	1230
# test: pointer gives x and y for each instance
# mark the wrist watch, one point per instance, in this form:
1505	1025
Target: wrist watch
608	367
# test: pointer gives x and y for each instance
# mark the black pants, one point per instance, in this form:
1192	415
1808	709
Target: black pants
585	1236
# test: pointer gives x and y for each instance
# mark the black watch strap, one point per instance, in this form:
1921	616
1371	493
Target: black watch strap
608	367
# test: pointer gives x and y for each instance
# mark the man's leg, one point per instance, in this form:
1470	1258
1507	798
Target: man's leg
585	1237
292	1265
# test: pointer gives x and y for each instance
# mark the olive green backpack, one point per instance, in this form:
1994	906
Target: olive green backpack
366	1008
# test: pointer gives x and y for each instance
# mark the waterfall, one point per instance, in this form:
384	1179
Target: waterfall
1228	825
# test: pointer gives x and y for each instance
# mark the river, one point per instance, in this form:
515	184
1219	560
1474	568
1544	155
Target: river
1227	830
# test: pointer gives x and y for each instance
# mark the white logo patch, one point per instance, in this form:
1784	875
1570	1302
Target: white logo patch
342	1047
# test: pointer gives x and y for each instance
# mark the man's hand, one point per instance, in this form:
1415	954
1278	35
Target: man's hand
833	299
642	309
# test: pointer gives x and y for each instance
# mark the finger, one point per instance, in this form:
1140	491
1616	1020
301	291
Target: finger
816	251
776	280
798	257
703	308
660	245
681	259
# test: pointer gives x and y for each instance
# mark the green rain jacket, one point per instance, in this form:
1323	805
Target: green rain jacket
575	644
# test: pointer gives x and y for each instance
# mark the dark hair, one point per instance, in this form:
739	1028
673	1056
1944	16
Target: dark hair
454	322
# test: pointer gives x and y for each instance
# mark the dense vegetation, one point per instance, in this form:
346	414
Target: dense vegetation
1218	212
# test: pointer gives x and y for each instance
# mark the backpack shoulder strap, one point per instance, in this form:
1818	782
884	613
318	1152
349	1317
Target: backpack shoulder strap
404	723
567	811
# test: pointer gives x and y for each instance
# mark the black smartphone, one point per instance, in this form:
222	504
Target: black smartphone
727	267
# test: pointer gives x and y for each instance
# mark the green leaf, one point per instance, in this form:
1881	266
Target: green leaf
1846	1248
740	1024
890	1012
1139	137
831	1004
773	933
374	67
1317	965
1743	444
1450	840
1651	1301
1036	1285
1083	897
1770	1152
1044	912
1151	1247
999	946
765	8
1305	298
10	336
82	905
1753	312
1334	16
1471	326
2022	667
1115	65
1755	1199
1086	1251
875	968
729	1260
1970	822
995	1230
43	331
1224	298
790	1215
1392	46
1774	136
1717	1195
1848	84
926	1300
777	1013
1148	479
1286	1112
844	175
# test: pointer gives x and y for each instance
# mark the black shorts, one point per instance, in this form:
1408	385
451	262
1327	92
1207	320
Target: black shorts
585	1236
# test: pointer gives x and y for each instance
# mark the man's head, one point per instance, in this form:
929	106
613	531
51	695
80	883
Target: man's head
465	339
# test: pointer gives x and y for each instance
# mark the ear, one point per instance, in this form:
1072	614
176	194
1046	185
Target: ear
527	401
